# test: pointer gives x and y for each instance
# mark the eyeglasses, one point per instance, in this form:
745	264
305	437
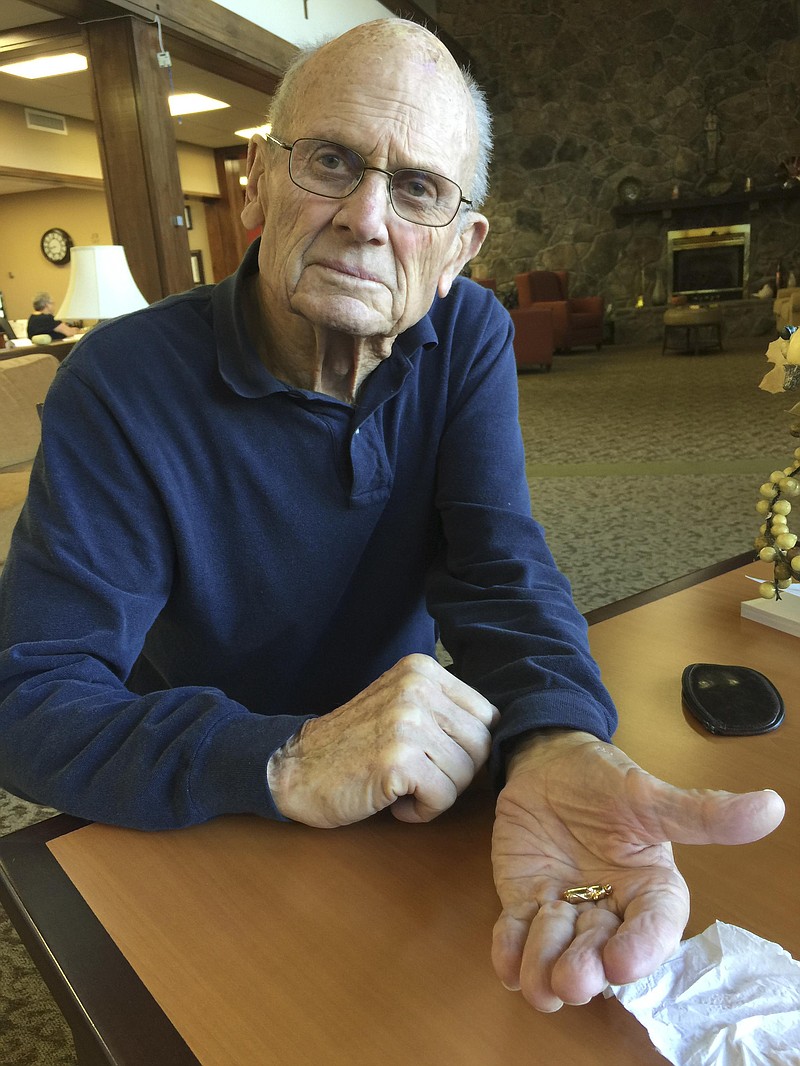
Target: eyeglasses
330	169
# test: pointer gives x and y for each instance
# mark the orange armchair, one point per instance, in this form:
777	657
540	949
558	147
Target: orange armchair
577	320
533	332
533	337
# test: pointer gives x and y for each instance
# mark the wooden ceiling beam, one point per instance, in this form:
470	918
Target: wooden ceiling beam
67	34
30	38
50	178
222	64
207	25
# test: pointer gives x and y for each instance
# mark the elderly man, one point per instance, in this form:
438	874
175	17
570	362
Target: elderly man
245	532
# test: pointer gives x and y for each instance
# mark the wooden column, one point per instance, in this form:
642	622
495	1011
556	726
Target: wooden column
227	237
139	154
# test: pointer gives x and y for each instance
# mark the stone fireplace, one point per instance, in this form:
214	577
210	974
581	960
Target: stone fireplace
709	264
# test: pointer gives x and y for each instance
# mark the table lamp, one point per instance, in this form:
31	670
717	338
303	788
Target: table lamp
100	284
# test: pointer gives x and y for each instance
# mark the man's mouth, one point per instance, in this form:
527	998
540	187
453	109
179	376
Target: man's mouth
359	273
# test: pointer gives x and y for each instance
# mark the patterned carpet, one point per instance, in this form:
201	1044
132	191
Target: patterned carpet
642	467
645	466
32	1029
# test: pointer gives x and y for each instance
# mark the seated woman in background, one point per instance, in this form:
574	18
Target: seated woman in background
42	322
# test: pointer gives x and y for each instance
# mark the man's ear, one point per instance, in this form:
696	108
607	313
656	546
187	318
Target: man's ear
253	212
467	247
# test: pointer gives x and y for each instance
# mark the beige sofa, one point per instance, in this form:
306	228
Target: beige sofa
24	381
787	308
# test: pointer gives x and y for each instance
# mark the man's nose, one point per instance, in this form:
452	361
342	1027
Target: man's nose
367	209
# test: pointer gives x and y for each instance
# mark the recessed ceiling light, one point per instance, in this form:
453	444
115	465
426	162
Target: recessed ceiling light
247	134
47	66
191	103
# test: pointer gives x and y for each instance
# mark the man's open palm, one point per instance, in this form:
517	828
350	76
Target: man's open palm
576	811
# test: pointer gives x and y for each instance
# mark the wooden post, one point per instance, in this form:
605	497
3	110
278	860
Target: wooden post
138	154
227	237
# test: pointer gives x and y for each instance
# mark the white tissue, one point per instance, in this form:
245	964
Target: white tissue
727	998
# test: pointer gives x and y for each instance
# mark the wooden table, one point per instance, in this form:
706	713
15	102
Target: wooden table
246	943
59	349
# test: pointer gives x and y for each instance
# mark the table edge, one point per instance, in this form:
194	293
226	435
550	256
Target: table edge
667	588
37	893
90	1006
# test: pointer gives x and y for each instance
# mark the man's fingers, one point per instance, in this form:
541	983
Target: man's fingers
564	953
456	690
563	957
458	711
579	974
458	755
508	943
552	931
463	696
427	781
469	735
650	934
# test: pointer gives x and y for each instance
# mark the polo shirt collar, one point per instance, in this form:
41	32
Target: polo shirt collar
239	362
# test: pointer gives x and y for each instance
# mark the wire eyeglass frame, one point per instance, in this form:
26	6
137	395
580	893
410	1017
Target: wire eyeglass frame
356	168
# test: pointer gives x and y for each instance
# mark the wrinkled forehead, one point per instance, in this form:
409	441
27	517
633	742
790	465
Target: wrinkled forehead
392	72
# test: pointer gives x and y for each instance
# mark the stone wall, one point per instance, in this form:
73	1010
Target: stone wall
586	93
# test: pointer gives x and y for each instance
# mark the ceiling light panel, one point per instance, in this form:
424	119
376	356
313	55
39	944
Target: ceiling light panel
247	134
46	66
193	104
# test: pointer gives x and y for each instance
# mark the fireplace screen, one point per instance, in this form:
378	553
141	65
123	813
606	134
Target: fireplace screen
709	264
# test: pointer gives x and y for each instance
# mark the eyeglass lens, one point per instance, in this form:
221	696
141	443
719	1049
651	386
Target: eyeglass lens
330	169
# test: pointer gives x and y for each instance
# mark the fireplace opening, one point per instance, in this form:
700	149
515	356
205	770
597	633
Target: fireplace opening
709	264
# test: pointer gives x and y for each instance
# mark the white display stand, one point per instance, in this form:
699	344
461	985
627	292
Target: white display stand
783	614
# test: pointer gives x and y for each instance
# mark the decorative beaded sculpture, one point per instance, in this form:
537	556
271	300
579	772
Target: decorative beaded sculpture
775	543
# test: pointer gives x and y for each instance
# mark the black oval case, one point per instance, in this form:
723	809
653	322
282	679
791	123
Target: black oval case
734	701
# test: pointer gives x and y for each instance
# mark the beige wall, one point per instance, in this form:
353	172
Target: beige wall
72	153
198	170
24	217
76	154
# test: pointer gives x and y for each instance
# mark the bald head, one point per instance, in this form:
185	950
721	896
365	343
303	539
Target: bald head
381	34
375	42
405	66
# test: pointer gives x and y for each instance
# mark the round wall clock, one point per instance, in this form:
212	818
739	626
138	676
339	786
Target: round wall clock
56	245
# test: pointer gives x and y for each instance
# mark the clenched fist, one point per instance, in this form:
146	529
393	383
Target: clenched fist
413	740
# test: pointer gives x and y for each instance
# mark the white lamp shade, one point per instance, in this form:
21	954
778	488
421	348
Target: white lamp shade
100	284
